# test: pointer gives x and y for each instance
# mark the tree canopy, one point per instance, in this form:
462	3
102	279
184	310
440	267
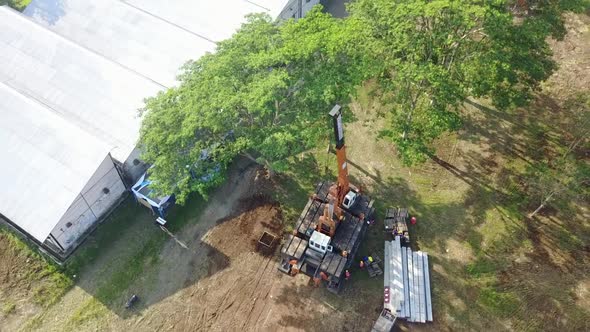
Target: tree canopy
434	54
265	91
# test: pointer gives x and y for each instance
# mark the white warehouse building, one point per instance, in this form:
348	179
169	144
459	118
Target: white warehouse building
73	75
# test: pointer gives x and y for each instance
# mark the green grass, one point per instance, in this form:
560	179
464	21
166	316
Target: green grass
482	208
111	230
499	303
125	276
91	310
8	307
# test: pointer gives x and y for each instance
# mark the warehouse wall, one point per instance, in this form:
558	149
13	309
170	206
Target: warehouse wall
297	8
133	167
102	192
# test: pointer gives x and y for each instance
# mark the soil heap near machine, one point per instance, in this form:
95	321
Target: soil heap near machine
331	227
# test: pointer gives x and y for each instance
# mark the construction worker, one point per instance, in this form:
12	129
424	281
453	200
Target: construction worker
346	275
316	282
362	265
370	259
294	269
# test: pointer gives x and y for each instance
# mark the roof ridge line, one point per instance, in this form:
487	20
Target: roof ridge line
166	21
86	49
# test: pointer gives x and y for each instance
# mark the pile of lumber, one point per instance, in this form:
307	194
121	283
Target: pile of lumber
407	282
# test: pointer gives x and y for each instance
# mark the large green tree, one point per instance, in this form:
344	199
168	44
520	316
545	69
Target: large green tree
434	54
270	86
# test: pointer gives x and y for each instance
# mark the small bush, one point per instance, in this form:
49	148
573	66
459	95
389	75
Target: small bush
8	308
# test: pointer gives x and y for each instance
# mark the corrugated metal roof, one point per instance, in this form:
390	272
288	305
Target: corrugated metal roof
152	37
97	94
123	33
46	161
214	19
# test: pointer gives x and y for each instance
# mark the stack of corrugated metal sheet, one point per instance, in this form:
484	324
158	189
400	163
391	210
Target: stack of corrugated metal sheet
407	283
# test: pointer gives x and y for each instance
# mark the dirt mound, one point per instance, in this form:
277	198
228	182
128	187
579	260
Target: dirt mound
240	233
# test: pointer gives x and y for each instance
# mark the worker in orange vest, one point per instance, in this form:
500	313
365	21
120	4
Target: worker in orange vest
346	275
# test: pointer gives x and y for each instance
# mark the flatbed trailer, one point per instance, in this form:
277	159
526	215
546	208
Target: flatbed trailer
345	242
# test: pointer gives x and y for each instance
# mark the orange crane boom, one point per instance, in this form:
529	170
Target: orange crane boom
343	185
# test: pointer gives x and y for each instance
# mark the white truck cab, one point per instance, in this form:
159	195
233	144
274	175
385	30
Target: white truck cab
349	199
320	242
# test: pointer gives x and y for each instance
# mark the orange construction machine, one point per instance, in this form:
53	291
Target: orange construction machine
331	227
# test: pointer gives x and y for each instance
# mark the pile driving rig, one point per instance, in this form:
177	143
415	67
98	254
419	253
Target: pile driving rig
331	227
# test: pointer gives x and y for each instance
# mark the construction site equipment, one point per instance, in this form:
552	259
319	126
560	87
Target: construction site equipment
396	223
267	243
161	221
331	227
131	302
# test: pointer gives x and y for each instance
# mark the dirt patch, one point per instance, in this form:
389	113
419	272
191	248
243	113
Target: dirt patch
582	294
459	251
242	233
26	283
242	289
573	56
219	282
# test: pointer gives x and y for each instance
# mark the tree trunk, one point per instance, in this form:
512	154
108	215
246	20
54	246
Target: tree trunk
270	172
